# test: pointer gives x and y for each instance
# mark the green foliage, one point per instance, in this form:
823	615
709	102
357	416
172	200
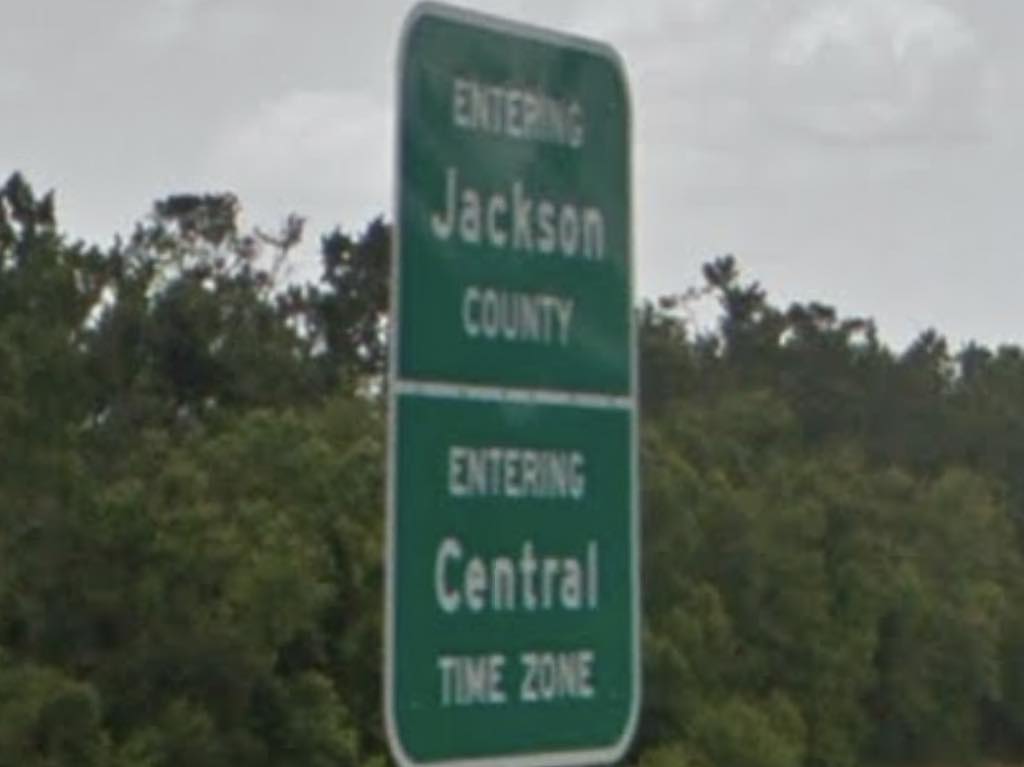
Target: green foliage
48	719
828	523
672	755
190	533
743	734
349	317
191	515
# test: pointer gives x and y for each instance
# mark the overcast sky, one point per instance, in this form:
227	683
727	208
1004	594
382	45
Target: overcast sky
864	153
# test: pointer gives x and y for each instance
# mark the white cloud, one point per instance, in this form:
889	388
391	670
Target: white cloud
13	83
164	22
878	69
323	154
873	26
720	73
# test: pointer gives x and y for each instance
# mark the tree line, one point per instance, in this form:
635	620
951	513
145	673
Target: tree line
191	513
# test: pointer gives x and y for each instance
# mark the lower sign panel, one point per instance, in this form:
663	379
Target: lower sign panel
513	591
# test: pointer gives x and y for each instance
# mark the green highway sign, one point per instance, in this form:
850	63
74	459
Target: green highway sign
512	615
514	207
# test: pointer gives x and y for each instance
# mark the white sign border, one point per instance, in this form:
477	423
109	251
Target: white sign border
566	758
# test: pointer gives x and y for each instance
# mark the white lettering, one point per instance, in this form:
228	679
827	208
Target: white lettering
469	217
470	318
467	680
475	584
495	234
522	231
517	222
442	226
516	317
516	472
449	600
568	230
548	676
518	113
505	583
461	116
546	223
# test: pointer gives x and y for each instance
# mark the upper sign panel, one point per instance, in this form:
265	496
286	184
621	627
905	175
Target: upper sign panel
514	216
